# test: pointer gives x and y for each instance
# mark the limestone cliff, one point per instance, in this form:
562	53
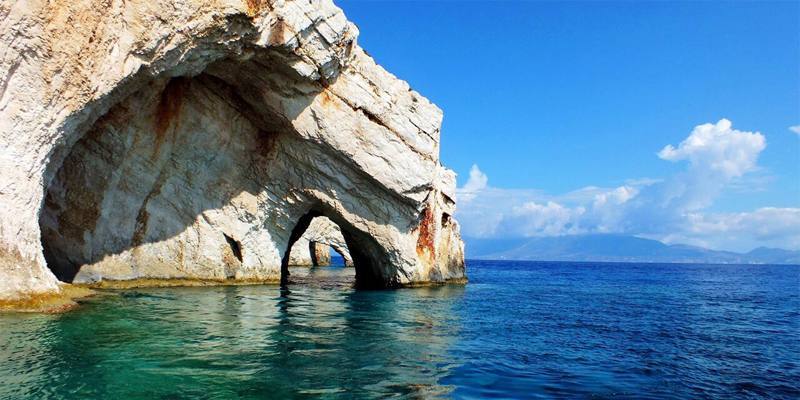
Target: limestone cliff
155	139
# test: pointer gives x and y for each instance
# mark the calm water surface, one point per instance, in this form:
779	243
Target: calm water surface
518	330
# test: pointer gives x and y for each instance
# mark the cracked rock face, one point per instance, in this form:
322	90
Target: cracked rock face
313	248
200	141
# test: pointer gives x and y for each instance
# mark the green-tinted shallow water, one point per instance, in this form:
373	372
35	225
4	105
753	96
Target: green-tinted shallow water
235	342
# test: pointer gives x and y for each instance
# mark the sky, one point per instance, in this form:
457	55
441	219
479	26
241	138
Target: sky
672	121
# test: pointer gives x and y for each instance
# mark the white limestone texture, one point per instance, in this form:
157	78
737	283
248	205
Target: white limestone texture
198	139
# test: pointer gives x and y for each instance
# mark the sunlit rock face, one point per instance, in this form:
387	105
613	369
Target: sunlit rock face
313	248
198	140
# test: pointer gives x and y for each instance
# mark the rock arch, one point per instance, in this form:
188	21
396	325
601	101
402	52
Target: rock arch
321	235
119	119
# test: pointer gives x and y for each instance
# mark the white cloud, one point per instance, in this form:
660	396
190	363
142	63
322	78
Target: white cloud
497	212
617	196
767	226
795	129
478	181
718	156
719	149
548	219
672	209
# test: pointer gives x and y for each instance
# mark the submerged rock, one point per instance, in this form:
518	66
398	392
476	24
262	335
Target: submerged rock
155	140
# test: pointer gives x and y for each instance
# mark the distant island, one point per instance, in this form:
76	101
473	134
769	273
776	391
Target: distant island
617	248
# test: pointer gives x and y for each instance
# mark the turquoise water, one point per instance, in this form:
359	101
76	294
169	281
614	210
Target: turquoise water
518	330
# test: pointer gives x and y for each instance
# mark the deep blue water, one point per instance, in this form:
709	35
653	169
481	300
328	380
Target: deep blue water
517	330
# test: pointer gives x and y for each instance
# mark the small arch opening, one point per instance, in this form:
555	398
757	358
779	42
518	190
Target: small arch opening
317	246
340	257
317	237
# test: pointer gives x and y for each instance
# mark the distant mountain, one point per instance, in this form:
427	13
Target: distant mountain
775	256
618	248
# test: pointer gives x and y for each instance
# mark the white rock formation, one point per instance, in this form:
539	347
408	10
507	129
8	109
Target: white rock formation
313	248
155	139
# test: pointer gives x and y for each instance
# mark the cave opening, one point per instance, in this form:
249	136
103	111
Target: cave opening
167	184
236	247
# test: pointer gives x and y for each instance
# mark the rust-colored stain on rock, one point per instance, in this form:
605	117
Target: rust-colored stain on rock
325	98
427	236
169	107
253	7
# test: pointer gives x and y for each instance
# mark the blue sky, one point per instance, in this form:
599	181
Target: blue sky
559	103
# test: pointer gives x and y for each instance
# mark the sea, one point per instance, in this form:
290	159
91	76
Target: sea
517	330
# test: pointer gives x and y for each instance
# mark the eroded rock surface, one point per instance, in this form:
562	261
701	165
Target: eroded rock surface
154	139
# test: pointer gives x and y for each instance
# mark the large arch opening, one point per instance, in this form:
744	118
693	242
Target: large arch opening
165	185
185	178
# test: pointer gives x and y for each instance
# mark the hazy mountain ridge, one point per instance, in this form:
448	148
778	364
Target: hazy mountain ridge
617	248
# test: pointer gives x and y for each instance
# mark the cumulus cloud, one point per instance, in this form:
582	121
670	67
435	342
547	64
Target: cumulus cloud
484	208
718	158
477	182
719	149
486	211
717	154
795	129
